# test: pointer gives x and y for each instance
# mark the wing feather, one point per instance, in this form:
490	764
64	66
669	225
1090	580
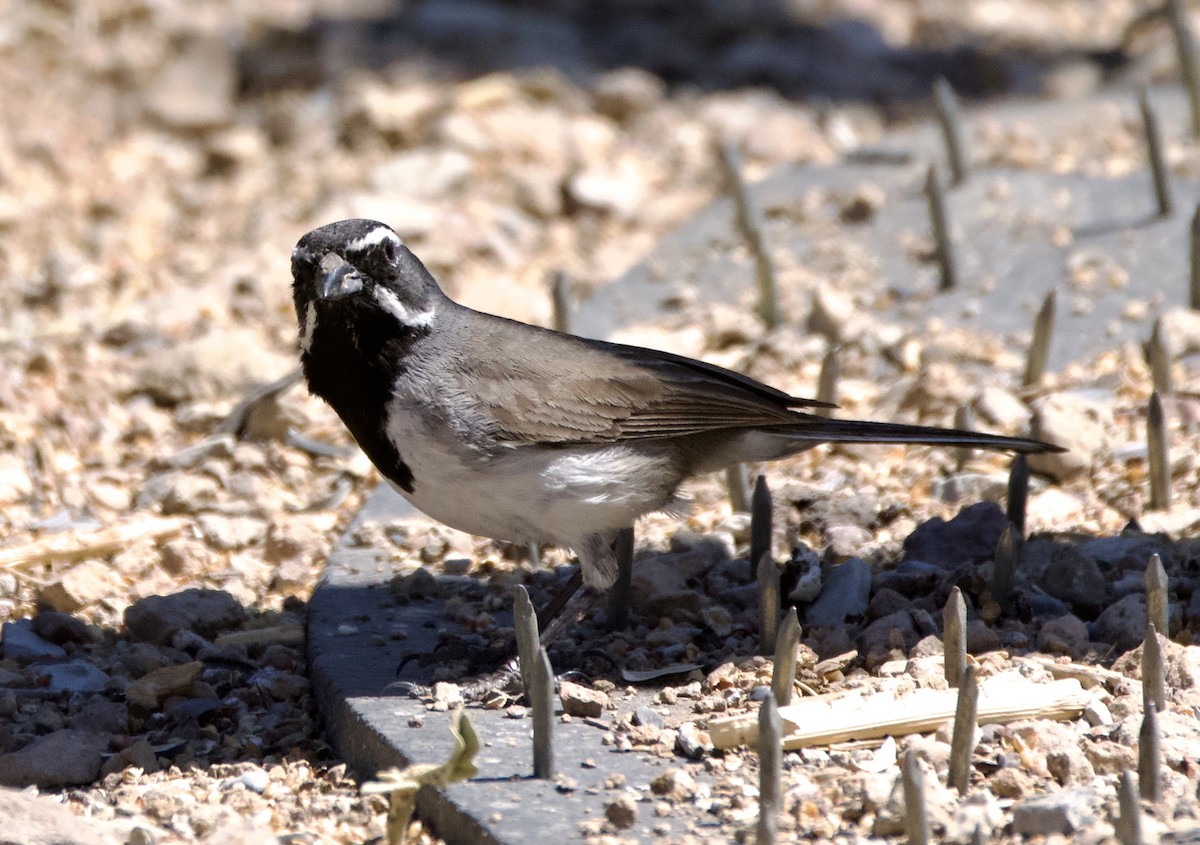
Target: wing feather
593	392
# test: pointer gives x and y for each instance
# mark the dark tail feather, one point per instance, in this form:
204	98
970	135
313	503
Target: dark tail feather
862	431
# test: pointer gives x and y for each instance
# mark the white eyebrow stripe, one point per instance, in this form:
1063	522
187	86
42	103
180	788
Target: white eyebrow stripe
392	304
377	235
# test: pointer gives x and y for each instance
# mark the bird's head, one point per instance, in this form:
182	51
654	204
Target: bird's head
357	275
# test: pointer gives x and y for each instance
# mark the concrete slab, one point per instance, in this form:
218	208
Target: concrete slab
1009	228
353	661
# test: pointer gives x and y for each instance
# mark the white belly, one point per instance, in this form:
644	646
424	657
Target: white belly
528	494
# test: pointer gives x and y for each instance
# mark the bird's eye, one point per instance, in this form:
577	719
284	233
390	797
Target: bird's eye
389	249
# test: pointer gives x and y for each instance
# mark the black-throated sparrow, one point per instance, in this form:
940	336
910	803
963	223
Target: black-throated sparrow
519	433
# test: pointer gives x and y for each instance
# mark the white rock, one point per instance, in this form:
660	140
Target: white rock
1096	713
422	174
620	189
196	87
1060	812
1181	331
1076	422
1001	408
1054	508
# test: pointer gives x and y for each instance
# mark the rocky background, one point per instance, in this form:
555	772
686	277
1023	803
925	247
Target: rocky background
157	163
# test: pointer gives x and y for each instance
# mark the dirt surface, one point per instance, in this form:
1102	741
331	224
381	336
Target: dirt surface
158	162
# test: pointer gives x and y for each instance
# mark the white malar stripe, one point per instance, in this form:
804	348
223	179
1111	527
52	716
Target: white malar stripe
375	236
310	326
392	304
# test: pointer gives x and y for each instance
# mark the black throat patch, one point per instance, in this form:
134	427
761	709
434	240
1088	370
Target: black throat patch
357	380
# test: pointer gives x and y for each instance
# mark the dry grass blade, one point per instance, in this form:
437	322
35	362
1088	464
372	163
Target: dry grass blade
1154	674
833	718
1163	195
68	547
916	814
1159	357
525	625
943	245
1039	345
1157	604
542	704
750	224
1150	755
787	646
1128	825
954	637
560	301
950	121
768	603
1159	456
962	741
770	770
827	381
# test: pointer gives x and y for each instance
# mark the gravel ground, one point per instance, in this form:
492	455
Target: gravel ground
157	165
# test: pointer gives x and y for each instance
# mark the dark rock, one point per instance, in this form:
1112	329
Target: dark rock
76	676
886	602
1123	623
924	622
895	633
844	595
759	693
980	637
1066	573
60	628
49	718
193	709
912	578
415	586
156	619
1064	635
63	758
663	590
1041	604
99	715
967	539
141	658
1126	551
22	644
140	755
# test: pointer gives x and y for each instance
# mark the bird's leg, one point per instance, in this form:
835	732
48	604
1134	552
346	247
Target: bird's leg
620	595
565	609
569	614
559	599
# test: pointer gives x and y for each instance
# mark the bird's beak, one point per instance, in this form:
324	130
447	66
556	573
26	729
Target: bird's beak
339	279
